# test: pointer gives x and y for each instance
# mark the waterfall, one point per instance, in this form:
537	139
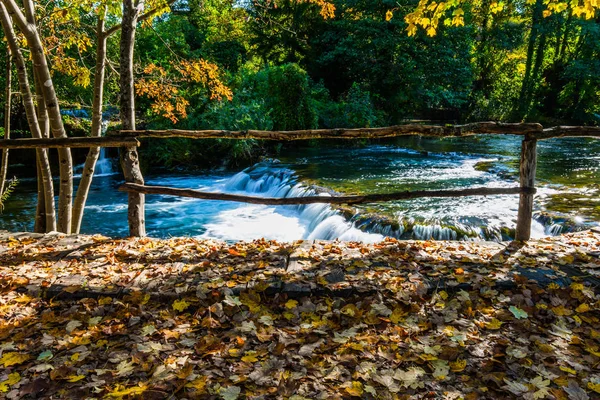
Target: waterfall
318	221
322	221
103	165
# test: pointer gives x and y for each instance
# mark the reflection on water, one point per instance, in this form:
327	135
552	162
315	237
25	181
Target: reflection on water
403	164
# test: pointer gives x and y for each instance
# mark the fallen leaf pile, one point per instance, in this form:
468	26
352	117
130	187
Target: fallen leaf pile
89	317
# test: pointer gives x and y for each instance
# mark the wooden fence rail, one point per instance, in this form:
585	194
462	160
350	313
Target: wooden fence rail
355	199
534	131
128	142
74	142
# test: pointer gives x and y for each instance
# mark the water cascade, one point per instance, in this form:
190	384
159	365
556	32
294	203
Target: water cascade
322	221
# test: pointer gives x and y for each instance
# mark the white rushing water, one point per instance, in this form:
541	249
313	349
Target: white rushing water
104	166
246	222
473	218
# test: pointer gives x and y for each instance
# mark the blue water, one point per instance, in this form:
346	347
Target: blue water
404	164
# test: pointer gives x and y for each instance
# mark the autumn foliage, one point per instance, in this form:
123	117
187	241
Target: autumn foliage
164	88
120	319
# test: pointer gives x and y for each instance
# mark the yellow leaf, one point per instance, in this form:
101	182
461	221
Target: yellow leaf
583	308
234	352
291	304
561	381
121	392
250	357
576	286
443	294
569	370
594	386
398	315
547	13
199	384
75	357
75	378
180	305
494	324
593	350
12	379
561	311
496	7
104	301
288	315
350	310
554	286
13	358
458	365
356	389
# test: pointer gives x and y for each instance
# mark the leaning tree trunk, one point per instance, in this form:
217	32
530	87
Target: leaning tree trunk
32	120
28	27
7	104
44	124
129	156
90	162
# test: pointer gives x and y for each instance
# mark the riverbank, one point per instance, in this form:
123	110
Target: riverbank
93	317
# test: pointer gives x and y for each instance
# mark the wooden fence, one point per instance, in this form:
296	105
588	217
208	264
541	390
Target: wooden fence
128	142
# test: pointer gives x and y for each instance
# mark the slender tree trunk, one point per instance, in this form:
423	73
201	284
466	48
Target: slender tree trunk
565	38
90	162
129	156
27	26
526	86
40	210
32	120
7	106
535	74
44	124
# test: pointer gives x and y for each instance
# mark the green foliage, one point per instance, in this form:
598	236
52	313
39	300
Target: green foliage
354	110
8	191
288	95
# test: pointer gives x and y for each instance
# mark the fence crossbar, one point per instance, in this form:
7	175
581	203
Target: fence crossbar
325	199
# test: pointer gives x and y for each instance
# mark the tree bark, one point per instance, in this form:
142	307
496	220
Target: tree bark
26	24
90	162
7	107
129	156
40	210
32	120
527	178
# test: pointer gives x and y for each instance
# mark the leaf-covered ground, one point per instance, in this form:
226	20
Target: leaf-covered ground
91	317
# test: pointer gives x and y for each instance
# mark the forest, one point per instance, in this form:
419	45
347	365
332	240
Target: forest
300	199
293	64
84	68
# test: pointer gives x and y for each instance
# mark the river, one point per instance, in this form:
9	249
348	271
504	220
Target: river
568	197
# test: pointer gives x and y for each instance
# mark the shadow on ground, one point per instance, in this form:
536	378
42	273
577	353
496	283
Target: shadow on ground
93	317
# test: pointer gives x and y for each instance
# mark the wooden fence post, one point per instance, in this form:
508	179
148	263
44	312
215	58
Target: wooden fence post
527	177
136	207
